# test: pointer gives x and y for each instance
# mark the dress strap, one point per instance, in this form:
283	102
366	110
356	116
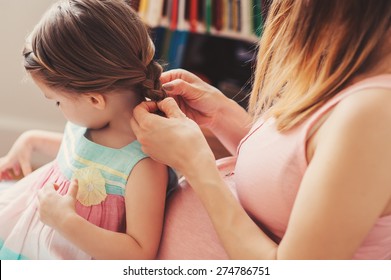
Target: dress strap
381	81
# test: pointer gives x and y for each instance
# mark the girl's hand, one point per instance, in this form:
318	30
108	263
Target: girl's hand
18	160
198	100
174	140
54	208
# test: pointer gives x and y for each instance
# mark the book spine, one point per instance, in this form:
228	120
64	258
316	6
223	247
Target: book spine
174	15
193	15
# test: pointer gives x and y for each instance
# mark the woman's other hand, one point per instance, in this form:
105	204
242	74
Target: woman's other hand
174	140
197	99
54	208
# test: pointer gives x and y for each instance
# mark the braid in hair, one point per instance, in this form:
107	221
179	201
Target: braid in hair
151	86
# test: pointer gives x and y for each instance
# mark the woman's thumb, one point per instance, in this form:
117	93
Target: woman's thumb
73	188
170	108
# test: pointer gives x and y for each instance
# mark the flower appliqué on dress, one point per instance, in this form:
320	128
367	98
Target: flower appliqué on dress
92	189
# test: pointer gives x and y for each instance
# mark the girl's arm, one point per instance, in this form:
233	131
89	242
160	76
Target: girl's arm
144	199
45	142
18	159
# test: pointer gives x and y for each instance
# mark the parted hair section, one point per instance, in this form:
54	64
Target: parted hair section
93	46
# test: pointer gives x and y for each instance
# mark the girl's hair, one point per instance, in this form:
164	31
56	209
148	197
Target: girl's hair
310	50
93	46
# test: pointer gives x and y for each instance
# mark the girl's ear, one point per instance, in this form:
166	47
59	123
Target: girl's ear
97	100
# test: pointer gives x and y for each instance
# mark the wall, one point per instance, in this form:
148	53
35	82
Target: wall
22	106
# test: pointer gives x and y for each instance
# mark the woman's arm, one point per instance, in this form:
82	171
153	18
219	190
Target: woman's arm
208	107
18	159
231	124
345	189
144	199
347	186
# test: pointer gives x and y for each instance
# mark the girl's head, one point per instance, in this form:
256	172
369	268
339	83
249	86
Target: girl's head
311	49
84	46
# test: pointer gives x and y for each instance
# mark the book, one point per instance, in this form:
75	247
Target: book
174	14
142	9
177	48
246	21
154	13
135	4
208	15
193	15
182	23
217	17
166	14
257	17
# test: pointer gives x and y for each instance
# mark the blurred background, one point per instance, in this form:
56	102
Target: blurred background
22	106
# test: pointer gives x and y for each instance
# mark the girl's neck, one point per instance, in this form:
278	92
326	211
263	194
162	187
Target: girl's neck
116	134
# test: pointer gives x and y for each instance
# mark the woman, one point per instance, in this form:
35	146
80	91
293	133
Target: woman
312	168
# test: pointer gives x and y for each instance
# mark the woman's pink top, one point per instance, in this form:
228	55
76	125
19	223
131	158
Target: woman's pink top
269	168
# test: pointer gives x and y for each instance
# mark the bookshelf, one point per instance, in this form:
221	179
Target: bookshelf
238	19
214	39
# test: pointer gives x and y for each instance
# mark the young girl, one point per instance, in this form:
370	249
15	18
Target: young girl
94	60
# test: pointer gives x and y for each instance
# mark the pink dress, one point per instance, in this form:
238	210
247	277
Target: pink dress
24	236
269	168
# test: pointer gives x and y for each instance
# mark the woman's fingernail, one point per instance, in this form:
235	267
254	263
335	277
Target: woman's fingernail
167	87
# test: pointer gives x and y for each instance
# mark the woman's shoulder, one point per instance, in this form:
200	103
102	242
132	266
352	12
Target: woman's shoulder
360	123
365	104
368	93
367	110
358	112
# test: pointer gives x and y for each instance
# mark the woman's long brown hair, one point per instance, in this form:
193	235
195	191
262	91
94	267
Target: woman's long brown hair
93	46
310	50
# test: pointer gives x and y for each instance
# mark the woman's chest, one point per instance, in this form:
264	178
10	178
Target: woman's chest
269	169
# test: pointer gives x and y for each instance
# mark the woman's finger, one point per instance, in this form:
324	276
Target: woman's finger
178	74
135	126
144	110
179	88
170	108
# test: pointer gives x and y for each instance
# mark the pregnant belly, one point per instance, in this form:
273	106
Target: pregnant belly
188	233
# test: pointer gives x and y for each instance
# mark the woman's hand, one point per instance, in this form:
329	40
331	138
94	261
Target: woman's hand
18	160
208	107
53	208
198	100
174	140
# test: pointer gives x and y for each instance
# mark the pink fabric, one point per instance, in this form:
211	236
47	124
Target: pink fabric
188	233
269	169
271	165
27	235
